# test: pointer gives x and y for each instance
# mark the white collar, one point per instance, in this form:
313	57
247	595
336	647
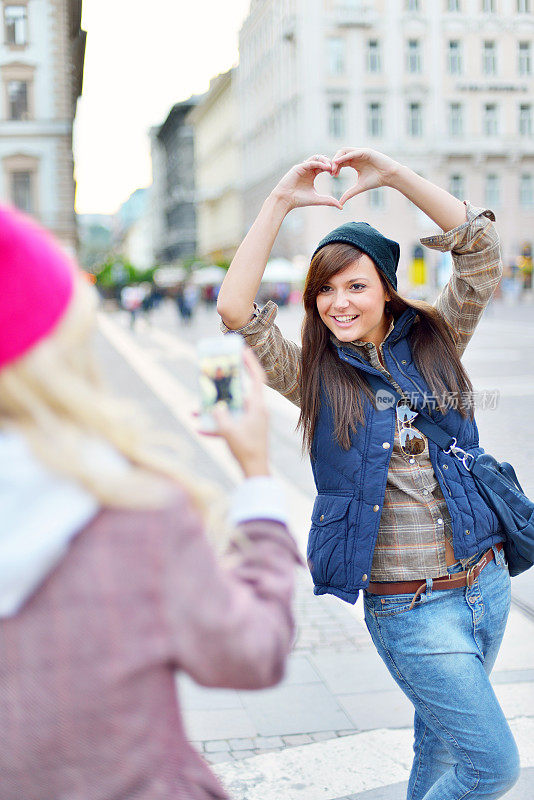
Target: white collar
40	512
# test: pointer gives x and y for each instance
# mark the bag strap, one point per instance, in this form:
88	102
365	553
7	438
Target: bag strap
430	429
511	492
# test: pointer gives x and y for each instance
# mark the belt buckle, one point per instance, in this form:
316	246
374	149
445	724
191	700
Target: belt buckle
469	579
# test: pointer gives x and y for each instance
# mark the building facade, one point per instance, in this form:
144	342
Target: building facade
174	213
42	51
444	86
134	225
217	170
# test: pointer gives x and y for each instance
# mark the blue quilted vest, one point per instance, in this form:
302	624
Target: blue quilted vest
351	483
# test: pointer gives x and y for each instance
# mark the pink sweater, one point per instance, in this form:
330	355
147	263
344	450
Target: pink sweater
88	706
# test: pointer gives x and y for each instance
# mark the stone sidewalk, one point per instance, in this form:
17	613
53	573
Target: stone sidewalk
337	687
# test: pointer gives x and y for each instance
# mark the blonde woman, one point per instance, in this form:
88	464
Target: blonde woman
107	582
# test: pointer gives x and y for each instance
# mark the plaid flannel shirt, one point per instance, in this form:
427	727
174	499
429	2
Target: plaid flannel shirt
415	519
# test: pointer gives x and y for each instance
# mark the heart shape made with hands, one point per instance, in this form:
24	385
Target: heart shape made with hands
355	187
373	169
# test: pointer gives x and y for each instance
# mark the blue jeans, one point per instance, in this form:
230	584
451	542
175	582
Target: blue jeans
441	654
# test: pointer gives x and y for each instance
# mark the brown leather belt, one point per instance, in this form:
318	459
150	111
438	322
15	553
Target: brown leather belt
452	581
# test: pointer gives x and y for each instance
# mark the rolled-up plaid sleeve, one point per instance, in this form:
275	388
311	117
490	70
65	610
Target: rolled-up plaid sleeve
477	270
279	357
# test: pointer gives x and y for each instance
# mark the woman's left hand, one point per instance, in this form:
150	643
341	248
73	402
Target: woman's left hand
374	169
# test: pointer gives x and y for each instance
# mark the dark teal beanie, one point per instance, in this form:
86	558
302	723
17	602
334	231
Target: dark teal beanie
384	252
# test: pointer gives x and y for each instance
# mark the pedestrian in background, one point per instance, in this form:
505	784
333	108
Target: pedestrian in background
131	301
107	582
394	516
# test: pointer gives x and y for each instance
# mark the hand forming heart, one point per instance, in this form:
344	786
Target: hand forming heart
373	169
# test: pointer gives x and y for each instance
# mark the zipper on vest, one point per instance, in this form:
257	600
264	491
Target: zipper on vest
443	478
403	373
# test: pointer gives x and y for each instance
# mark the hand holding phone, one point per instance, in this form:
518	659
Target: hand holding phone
244	425
221	377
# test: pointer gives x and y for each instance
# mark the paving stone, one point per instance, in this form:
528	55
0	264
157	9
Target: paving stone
238	755
516	699
299	670
218	724
199	698
241	744
351	672
516	650
286	710
512	676
298	739
221	746
323	736
267	742
378	710
217	758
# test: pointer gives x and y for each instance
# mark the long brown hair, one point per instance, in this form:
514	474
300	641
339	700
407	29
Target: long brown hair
431	341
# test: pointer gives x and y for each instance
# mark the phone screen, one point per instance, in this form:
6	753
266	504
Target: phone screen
221	374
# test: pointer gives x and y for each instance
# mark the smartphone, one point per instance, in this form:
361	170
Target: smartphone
221	376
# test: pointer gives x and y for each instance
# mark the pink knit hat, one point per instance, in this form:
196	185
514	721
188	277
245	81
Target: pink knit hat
36	284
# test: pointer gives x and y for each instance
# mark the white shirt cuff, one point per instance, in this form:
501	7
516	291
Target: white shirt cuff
261	497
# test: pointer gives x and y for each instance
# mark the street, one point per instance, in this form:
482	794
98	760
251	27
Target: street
337	726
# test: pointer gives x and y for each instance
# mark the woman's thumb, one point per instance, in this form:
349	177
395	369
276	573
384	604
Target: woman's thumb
221	415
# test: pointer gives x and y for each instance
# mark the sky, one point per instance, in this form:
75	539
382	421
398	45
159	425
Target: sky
142	58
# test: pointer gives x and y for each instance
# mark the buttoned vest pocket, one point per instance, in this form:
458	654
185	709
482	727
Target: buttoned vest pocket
327	542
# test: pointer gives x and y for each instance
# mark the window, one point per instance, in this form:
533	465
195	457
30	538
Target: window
453	5
374	120
373	56
525	119
524	66
526	190
455	57
488	6
336	56
336	122
489	58
457	186
21	191
413	5
415	119
339	187
17	92
523	6
16	25
413	56
456	121
376	198
493	190
491	121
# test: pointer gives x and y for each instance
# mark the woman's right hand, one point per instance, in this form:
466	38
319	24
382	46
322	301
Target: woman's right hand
247	436
296	188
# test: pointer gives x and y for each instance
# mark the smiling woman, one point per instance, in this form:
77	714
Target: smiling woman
351	298
394	516
351	303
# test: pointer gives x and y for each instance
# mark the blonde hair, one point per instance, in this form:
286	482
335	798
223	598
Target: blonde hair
55	397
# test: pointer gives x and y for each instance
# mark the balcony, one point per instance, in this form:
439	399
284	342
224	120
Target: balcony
353	14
